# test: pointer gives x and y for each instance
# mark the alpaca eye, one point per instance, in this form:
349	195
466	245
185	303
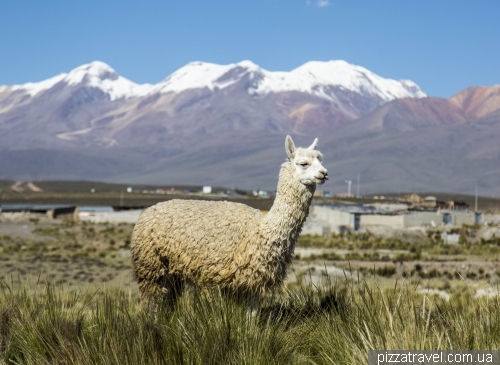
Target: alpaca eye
304	164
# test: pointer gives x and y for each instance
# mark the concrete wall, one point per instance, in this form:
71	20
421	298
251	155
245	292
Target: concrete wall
460	218
312	226
371	220
331	216
423	219
124	216
325	220
491	218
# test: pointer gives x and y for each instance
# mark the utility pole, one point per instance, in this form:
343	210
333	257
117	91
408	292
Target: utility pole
357	187
476	199
348	182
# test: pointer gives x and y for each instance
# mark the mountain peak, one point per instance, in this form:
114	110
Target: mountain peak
96	69
478	101
96	74
248	64
355	78
321	78
199	75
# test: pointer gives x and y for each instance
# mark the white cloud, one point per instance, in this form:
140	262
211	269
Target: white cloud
322	3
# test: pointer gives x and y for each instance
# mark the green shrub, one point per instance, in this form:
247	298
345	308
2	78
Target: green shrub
386	271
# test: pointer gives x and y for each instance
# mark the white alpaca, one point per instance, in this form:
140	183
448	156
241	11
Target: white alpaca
226	244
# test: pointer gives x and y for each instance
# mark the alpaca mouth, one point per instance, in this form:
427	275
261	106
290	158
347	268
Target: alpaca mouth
322	180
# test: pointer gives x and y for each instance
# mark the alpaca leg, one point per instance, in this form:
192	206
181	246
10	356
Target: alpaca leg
156	285
163	291
253	304
171	287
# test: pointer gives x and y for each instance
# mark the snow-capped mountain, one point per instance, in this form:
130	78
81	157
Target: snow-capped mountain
217	124
316	78
93	105
96	74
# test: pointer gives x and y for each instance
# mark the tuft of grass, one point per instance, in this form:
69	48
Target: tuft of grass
335	324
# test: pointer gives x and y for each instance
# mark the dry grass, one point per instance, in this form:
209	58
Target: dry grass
331	325
67	296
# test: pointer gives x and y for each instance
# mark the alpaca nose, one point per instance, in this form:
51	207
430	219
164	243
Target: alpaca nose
324	173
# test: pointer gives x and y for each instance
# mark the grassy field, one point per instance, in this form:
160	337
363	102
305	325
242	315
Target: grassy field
67	296
45	324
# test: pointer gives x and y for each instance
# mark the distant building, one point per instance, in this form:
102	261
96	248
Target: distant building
325	219
431	202
460	206
51	210
388	206
207	189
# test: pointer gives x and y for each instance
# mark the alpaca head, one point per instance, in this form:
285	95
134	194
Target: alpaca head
306	163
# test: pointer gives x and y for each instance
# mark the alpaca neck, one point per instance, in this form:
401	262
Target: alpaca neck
283	223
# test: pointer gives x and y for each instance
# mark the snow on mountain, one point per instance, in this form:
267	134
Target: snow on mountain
95	74
33	88
100	75
198	75
313	77
316	77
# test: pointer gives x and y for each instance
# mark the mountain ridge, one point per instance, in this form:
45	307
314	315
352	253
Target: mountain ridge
93	106
229	129
194	75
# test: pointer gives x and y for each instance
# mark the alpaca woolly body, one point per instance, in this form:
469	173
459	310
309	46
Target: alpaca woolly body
220	243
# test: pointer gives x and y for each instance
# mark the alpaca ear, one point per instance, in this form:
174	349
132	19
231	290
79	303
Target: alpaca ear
289	147
314	145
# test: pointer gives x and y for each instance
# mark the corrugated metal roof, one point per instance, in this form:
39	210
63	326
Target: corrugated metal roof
33	207
349	208
95	209
361	209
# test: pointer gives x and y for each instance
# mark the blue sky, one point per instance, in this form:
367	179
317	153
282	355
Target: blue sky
444	46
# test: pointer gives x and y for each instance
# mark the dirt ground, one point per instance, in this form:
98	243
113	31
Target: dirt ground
34	247
37	248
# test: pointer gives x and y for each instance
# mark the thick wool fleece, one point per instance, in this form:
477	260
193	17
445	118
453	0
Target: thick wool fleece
219	243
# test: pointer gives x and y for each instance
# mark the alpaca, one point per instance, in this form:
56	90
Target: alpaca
206	243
